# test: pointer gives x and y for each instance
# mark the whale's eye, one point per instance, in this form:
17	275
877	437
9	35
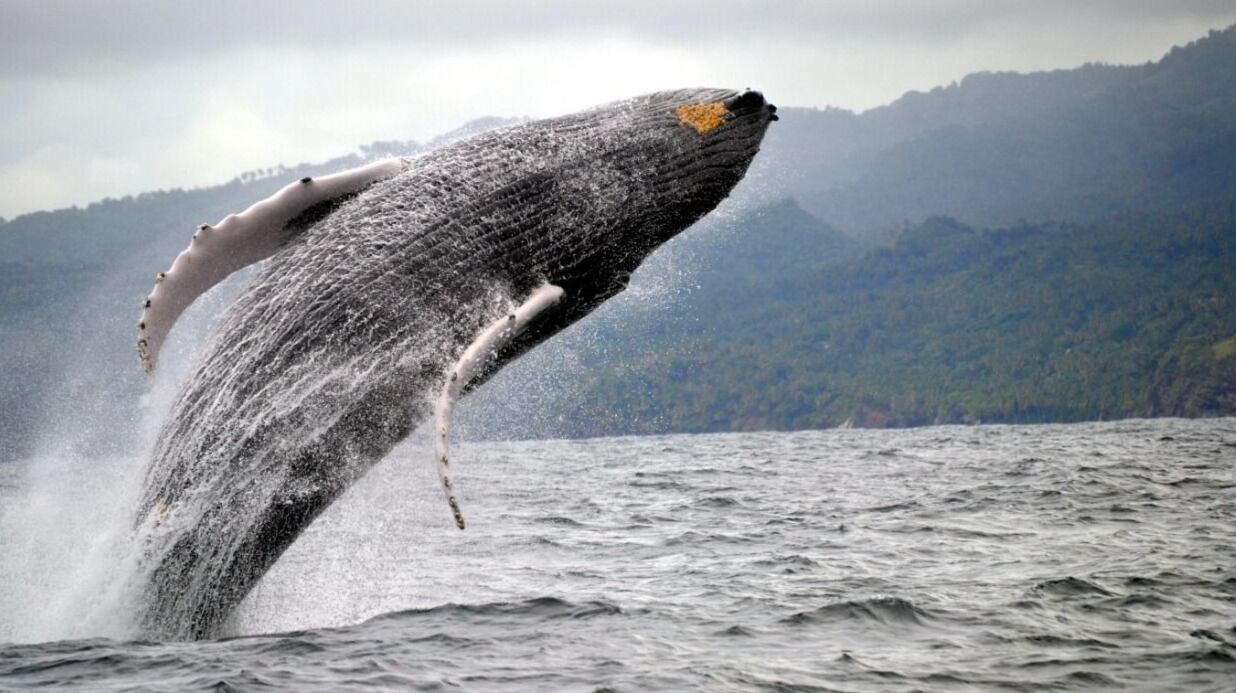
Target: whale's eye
704	117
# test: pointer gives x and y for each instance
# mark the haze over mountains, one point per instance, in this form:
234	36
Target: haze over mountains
996	148
852	283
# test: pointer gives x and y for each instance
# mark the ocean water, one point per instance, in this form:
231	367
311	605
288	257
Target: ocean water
1025	558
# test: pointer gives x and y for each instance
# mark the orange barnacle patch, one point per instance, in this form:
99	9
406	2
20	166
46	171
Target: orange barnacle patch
704	117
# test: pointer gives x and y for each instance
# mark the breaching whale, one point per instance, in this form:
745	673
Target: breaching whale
387	293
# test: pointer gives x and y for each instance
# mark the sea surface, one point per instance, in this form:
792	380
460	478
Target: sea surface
1022	558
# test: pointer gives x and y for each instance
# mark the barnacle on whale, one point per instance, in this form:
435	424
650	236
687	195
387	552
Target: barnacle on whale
704	117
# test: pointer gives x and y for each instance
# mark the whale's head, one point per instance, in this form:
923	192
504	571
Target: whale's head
655	165
709	140
713	134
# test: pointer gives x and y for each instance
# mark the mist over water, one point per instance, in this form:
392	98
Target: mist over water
67	555
991	558
66	539
62	534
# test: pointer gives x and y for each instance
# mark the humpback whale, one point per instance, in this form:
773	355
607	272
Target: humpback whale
386	293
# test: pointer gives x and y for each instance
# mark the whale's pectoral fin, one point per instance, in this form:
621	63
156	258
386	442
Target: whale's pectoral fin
475	358
237	242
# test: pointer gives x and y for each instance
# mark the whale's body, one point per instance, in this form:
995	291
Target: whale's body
335	351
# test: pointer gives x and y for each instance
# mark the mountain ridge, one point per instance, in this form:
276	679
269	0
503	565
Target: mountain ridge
943	182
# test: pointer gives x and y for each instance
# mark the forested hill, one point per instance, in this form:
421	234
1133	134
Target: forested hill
998	148
1128	317
1053	246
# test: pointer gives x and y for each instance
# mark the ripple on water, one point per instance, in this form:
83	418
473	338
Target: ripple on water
985	558
1070	587
881	610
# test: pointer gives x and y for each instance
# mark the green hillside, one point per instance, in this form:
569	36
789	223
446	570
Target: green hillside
1056	322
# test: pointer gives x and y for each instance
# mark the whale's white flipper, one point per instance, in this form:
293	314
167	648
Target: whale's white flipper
237	242
478	355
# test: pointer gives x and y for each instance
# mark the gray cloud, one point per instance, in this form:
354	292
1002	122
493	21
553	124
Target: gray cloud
57	36
111	97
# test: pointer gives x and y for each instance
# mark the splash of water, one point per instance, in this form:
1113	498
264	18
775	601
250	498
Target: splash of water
67	552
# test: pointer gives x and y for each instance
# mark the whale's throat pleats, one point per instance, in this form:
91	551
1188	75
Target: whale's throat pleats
239	241
479	355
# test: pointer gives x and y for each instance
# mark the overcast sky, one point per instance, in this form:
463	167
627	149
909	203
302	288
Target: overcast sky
108	98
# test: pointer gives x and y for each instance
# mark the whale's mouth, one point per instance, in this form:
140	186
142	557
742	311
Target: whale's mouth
750	102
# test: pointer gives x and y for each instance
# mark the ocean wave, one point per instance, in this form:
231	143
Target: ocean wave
1070	586
882	610
545	608
786	559
558	520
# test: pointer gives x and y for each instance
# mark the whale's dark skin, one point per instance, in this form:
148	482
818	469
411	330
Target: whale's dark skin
331	356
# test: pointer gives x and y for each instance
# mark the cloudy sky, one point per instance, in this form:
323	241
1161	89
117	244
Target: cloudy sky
112	97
